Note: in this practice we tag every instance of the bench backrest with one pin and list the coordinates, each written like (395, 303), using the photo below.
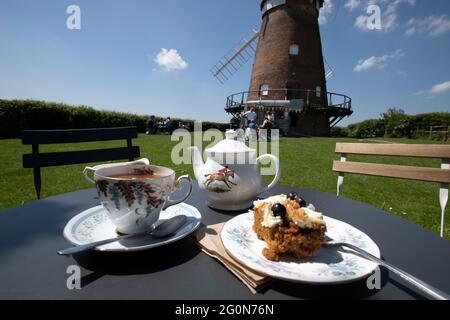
(439, 175)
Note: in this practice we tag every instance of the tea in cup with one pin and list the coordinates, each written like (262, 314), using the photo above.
(134, 195)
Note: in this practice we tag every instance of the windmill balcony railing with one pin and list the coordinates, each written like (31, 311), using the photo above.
(284, 97)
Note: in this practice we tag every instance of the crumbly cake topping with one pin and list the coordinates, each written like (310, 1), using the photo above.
(306, 217)
(271, 200)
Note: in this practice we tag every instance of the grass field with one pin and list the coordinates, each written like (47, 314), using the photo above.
(306, 163)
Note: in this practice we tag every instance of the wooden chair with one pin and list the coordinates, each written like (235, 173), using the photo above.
(38, 160)
(437, 175)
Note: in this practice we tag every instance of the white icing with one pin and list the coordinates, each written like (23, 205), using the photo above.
(269, 220)
(271, 200)
(312, 219)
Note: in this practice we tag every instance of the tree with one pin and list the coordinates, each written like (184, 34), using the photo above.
(393, 113)
(397, 123)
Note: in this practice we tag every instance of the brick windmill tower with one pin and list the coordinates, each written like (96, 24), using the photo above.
(289, 72)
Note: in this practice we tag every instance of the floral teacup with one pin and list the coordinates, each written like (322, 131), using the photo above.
(134, 195)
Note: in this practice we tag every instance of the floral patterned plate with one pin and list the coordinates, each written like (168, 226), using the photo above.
(94, 224)
(328, 266)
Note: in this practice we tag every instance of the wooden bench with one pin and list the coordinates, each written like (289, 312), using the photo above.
(38, 160)
(437, 175)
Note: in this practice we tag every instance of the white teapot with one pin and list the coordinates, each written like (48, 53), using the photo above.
(230, 177)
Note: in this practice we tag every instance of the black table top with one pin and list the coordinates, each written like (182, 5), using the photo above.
(30, 268)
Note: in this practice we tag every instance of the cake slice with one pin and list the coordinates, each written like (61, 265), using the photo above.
(288, 226)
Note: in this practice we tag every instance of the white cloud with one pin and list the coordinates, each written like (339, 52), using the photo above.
(431, 25)
(436, 89)
(420, 92)
(389, 13)
(440, 88)
(170, 60)
(361, 22)
(352, 4)
(326, 11)
(377, 62)
(389, 20)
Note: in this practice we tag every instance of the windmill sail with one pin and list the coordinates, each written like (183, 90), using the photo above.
(328, 70)
(235, 58)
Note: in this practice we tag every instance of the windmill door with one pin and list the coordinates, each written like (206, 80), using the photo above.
(293, 91)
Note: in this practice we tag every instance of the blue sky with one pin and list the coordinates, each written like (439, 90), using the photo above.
(110, 63)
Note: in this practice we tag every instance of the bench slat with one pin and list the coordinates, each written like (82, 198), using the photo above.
(75, 157)
(402, 150)
(78, 135)
(394, 171)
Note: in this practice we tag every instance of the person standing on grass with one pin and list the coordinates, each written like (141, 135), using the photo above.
(251, 132)
(267, 125)
(250, 116)
(272, 117)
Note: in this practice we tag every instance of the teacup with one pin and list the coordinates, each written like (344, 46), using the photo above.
(134, 195)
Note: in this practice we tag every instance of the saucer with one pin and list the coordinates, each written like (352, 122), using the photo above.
(94, 224)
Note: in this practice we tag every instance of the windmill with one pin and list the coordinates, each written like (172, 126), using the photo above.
(289, 72)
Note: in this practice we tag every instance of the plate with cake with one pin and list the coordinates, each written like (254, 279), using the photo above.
(283, 237)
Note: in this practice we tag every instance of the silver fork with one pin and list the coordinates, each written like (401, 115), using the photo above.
(419, 284)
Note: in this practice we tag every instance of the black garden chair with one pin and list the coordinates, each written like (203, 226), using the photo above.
(38, 160)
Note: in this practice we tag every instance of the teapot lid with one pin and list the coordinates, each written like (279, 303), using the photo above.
(229, 145)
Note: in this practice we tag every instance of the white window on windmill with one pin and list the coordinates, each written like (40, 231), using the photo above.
(264, 90)
(294, 50)
(318, 91)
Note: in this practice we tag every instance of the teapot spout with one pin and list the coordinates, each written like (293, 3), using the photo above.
(197, 161)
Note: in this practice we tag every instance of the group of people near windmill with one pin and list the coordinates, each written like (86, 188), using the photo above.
(250, 125)
(155, 125)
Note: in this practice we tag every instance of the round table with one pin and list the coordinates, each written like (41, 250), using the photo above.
(32, 233)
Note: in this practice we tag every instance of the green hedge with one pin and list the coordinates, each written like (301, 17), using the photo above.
(18, 115)
(396, 124)
(367, 129)
(341, 132)
(426, 120)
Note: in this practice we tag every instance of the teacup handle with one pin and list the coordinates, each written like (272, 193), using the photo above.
(169, 202)
(86, 176)
(277, 168)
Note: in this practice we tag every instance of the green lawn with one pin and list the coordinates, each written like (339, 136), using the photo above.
(306, 163)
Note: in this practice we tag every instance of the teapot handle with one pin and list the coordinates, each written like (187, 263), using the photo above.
(277, 168)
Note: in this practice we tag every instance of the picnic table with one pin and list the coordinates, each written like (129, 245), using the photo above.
(32, 233)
